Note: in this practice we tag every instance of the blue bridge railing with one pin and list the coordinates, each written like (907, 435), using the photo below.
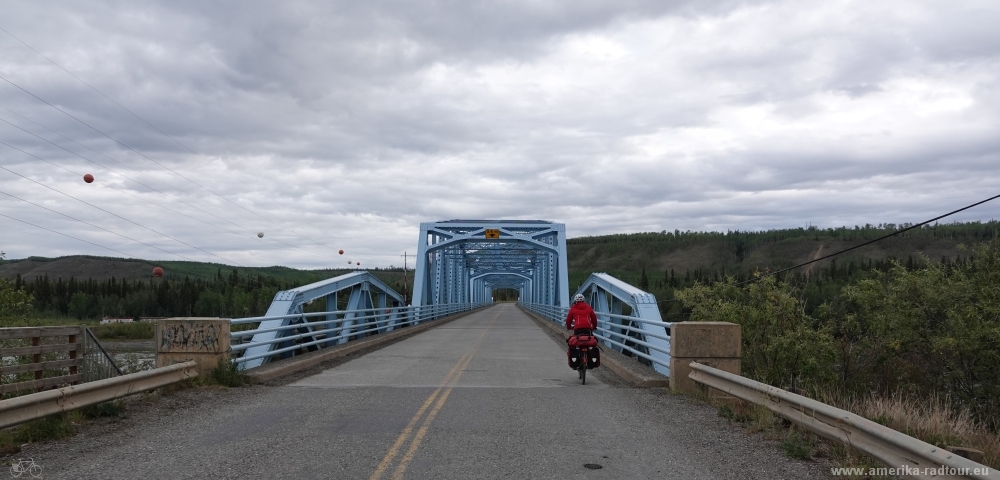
(311, 331)
(642, 334)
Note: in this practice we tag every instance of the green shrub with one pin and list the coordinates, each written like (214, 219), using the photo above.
(782, 346)
(227, 373)
(14, 304)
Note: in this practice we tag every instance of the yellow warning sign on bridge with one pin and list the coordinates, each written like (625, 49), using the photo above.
(492, 233)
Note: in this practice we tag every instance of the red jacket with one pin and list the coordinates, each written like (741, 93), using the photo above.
(581, 316)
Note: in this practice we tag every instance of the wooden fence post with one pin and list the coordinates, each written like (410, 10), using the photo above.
(37, 358)
(72, 353)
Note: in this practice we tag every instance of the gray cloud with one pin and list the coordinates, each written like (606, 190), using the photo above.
(349, 123)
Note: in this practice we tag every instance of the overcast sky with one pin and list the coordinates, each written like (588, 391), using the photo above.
(330, 125)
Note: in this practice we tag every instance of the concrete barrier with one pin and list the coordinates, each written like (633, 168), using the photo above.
(716, 344)
(202, 340)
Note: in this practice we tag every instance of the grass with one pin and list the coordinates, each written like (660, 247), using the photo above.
(798, 445)
(932, 420)
(124, 331)
(108, 331)
(7, 322)
(54, 427)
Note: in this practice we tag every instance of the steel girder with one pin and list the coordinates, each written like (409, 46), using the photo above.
(607, 295)
(366, 293)
(453, 258)
(483, 284)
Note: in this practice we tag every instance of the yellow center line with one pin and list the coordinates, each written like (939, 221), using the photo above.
(450, 380)
(410, 452)
(405, 434)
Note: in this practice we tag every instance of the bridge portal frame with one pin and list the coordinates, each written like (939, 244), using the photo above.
(454, 255)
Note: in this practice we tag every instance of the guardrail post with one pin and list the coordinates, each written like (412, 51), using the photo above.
(716, 344)
(180, 339)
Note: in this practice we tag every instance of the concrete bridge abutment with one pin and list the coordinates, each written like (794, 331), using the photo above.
(180, 339)
(716, 344)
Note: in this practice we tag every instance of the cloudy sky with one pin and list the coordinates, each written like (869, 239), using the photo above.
(330, 125)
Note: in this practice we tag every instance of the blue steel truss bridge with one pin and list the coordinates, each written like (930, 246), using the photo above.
(457, 386)
(459, 265)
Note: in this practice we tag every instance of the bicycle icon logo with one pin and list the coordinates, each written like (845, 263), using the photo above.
(20, 467)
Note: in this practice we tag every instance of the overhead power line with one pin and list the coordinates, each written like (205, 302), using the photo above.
(70, 236)
(185, 272)
(95, 226)
(138, 182)
(883, 237)
(158, 130)
(103, 210)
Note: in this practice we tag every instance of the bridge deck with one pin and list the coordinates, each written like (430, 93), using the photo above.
(485, 396)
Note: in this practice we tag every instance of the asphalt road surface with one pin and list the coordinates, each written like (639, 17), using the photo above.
(485, 396)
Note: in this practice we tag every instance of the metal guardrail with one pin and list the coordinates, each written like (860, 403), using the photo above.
(321, 329)
(896, 450)
(29, 407)
(621, 339)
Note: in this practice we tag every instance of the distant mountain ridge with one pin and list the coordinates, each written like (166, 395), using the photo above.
(624, 255)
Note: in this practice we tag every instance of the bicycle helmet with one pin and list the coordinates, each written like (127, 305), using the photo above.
(579, 298)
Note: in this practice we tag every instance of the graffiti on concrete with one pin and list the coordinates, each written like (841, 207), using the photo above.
(189, 337)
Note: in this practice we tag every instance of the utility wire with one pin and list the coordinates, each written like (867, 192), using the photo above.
(143, 120)
(96, 226)
(138, 182)
(883, 237)
(122, 144)
(190, 273)
(103, 210)
(70, 236)
(140, 153)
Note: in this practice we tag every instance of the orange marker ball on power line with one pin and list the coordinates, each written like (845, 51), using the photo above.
(157, 272)
(88, 178)
(341, 252)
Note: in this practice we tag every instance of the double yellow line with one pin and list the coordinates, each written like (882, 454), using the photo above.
(441, 395)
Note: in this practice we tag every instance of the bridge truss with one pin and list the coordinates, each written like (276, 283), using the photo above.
(460, 261)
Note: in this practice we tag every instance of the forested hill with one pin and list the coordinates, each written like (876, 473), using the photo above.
(90, 288)
(715, 254)
(661, 263)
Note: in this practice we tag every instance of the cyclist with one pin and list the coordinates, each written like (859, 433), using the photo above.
(581, 318)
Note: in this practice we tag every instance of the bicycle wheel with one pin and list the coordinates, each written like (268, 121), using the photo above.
(583, 375)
